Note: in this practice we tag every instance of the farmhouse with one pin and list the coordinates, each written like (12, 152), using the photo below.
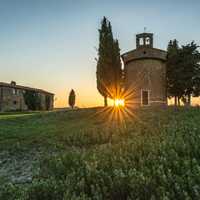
(12, 97)
(145, 73)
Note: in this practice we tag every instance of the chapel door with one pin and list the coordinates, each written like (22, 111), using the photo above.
(145, 97)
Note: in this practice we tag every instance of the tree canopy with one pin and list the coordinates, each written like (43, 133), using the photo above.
(32, 100)
(183, 71)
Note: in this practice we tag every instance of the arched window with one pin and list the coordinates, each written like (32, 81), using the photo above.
(147, 41)
(141, 41)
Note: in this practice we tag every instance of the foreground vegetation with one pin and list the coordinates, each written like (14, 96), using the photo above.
(87, 154)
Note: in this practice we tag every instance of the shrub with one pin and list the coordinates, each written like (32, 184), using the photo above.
(32, 100)
(158, 160)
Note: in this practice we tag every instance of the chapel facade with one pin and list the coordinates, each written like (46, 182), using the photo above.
(145, 73)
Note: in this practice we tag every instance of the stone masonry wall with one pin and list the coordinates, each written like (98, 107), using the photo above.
(12, 99)
(146, 74)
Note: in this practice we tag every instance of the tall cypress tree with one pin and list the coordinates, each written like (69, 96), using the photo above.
(109, 64)
(117, 70)
(101, 68)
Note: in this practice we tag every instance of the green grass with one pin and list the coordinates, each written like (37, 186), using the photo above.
(85, 154)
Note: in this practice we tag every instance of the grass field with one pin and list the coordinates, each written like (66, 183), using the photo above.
(90, 154)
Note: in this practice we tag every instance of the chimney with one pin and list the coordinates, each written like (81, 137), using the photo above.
(13, 83)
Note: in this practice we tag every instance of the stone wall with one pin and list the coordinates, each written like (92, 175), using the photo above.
(43, 101)
(144, 53)
(43, 97)
(12, 99)
(145, 74)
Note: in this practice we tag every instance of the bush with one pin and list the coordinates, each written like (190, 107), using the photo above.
(32, 100)
(11, 192)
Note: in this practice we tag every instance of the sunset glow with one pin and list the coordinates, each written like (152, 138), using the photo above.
(44, 50)
(119, 102)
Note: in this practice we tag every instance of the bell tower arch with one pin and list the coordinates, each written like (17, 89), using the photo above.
(144, 40)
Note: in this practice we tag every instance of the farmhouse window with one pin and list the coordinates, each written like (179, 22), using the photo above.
(14, 91)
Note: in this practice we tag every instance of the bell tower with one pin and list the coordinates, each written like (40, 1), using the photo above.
(144, 40)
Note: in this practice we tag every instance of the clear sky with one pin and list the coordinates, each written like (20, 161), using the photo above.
(50, 44)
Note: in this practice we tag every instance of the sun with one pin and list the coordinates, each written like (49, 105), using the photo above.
(119, 103)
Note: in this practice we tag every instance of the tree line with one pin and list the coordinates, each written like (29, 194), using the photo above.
(182, 71)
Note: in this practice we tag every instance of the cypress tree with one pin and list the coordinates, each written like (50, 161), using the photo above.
(108, 64)
(72, 99)
(117, 71)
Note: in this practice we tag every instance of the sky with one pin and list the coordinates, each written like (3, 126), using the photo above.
(51, 44)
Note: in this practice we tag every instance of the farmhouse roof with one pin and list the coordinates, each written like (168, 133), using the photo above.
(13, 85)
